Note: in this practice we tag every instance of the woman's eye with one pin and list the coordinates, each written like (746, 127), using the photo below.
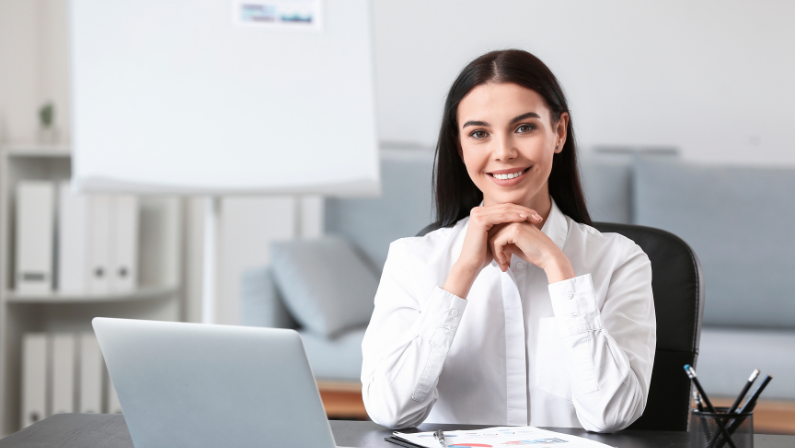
(525, 128)
(478, 134)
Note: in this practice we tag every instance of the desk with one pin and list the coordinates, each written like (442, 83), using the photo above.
(110, 431)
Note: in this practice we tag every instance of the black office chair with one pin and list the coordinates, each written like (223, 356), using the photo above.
(678, 287)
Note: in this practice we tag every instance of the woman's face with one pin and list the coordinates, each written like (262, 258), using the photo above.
(507, 140)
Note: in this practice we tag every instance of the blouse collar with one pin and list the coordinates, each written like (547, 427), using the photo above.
(556, 226)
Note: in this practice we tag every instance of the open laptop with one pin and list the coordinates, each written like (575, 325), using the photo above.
(194, 385)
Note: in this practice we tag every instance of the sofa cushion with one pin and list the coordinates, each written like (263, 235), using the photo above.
(325, 284)
(335, 359)
(260, 303)
(739, 221)
(728, 356)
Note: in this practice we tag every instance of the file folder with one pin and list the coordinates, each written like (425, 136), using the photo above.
(35, 228)
(91, 371)
(63, 373)
(34, 378)
(72, 241)
(114, 406)
(124, 244)
(99, 244)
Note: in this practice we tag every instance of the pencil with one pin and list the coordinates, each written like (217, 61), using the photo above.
(747, 407)
(691, 373)
(736, 403)
(697, 399)
(747, 386)
(751, 403)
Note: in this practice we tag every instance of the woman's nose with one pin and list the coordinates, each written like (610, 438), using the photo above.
(504, 149)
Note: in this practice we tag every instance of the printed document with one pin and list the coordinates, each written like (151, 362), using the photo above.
(502, 437)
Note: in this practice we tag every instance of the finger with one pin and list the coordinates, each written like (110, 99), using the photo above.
(532, 214)
(508, 251)
(498, 249)
(488, 219)
(528, 213)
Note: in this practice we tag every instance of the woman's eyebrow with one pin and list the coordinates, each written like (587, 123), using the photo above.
(475, 123)
(519, 118)
(523, 116)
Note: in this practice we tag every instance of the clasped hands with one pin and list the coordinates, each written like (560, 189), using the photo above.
(496, 233)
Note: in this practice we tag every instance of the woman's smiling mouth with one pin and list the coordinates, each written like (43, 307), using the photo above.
(509, 177)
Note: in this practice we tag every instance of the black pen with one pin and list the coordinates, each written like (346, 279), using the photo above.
(439, 436)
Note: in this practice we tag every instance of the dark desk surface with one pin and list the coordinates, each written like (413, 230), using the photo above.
(110, 431)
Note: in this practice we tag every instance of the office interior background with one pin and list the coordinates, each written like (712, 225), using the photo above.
(705, 83)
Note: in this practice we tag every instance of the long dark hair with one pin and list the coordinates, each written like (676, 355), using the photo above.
(455, 192)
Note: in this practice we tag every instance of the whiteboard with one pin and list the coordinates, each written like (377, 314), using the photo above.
(181, 97)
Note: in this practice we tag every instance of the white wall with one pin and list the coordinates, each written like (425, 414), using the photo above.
(712, 77)
(33, 67)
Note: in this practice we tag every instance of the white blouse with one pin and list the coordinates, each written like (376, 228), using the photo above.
(518, 351)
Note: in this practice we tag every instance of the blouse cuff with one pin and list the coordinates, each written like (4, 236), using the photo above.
(442, 310)
(438, 324)
(575, 306)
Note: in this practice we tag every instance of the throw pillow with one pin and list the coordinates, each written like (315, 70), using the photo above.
(324, 283)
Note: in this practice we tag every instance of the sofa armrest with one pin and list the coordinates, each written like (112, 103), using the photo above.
(260, 302)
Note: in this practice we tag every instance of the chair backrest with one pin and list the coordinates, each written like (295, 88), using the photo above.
(678, 287)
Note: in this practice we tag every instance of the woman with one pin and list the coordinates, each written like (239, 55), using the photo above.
(515, 311)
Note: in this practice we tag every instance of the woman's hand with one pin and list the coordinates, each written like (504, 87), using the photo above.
(476, 254)
(529, 243)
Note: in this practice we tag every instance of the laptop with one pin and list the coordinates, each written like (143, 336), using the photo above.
(195, 385)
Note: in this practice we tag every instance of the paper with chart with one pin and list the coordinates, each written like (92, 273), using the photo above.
(501, 437)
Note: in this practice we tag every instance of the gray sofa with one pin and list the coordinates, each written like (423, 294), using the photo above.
(738, 220)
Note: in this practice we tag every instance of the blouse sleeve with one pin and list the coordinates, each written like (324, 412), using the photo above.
(609, 349)
(406, 344)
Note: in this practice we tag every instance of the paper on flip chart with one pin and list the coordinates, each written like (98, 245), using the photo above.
(501, 437)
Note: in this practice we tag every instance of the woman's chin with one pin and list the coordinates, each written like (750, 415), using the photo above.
(518, 197)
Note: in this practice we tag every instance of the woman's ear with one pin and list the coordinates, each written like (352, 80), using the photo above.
(560, 128)
(460, 150)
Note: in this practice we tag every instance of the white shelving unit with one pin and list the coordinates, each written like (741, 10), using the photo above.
(159, 295)
(151, 292)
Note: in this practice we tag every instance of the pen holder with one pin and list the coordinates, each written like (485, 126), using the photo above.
(705, 429)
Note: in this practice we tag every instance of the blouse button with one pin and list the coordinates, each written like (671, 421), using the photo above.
(520, 265)
(454, 312)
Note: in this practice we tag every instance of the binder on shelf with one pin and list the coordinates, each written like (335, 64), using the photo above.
(98, 244)
(34, 237)
(63, 373)
(91, 370)
(72, 241)
(34, 378)
(124, 244)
